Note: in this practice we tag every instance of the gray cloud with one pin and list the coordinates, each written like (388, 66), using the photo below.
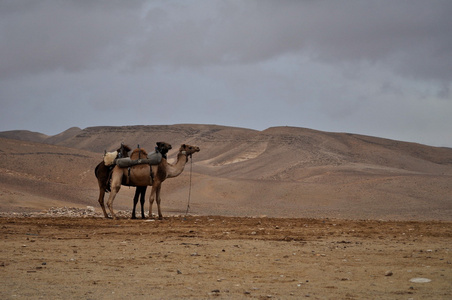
(411, 38)
(374, 67)
(44, 36)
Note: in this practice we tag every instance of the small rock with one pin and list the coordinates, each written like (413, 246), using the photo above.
(179, 272)
(215, 291)
(420, 280)
(389, 273)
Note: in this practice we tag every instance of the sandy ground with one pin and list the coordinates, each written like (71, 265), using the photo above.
(202, 257)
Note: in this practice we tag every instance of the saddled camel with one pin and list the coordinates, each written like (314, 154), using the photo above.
(143, 175)
(140, 191)
(103, 172)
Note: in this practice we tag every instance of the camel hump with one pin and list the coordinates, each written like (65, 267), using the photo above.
(138, 153)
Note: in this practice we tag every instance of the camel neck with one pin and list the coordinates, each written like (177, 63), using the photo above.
(178, 167)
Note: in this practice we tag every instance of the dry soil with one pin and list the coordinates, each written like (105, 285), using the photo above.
(206, 257)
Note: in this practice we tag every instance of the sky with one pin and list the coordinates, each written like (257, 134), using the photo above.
(381, 68)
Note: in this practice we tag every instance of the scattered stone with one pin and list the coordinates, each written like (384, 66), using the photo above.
(215, 291)
(420, 280)
(74, 212)
(345, 279)
(389, 273)
(179, 272)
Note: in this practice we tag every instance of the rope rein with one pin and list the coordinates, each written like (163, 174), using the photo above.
(189, 186)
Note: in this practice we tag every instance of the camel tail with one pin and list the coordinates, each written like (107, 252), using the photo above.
(95, 170)
(108, 185)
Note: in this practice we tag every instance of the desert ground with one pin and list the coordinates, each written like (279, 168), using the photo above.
(284, 213)
(215, 257)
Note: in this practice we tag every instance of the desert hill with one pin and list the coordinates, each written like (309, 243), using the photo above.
(281, 171)
(24, 135)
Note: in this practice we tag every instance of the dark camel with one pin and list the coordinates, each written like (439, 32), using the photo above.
(103, 175)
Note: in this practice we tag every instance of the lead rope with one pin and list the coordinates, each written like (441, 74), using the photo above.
(189, 186)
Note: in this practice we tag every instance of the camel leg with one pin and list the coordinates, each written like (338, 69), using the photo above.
(114, 191)
(142, 201)
(115, 186)
(101, 172)
(151, 201)
(101, 201)
(158, 199)
(135, 201)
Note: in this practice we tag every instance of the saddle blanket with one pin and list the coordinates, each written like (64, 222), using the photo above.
(153, 158)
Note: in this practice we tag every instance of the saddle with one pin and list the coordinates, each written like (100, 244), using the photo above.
(153, 158)
(112, 159)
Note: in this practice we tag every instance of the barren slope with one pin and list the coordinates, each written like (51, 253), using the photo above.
(281, 171)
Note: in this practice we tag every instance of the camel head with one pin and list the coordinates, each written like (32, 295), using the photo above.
(163, 148)
(188, 150)
(124, 150)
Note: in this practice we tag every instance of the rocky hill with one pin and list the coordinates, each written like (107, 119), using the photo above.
(281, 171)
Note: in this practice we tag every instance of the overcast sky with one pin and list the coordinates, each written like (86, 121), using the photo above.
(380, 68)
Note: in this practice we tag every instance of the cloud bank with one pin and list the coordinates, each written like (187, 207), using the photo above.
(381, 68)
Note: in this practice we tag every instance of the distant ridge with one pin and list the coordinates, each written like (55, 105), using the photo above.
(61, 137)
(24, 135)
(271, 152)
(280, 171)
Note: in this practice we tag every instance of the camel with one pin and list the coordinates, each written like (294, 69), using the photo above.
(140, 191)
(103, 175)
(103, 172)
(143, 175)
